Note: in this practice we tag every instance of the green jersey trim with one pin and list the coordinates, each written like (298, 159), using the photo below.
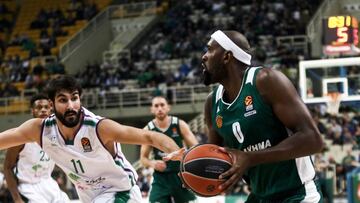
(122, 197)
(132, 179)
(89, 123)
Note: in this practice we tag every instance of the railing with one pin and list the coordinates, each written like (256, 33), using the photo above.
(133, 9)
(11, 105)
(111, 12)
(142, 97)
(76, 40)
(99, 99)
(298, 42)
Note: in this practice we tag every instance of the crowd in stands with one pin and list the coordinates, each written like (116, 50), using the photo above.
(181, 35)
(51, 23)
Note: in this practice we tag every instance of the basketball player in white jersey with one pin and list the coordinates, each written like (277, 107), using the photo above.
(85, 146)
(27, 167)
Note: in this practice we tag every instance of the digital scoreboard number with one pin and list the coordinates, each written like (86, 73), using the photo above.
(340, 34)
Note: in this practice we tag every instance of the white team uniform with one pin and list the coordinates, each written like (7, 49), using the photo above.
(96, 174)
(33, 171)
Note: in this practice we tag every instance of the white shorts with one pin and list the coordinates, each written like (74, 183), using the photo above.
(45, 191)
(134, 196)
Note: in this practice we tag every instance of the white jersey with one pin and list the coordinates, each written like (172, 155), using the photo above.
(33, 164)
(85, 160)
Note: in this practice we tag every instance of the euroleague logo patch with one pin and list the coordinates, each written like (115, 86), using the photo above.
(85, 142)
(249, 107)
(248, 100)
(219, 121)
(174, 132)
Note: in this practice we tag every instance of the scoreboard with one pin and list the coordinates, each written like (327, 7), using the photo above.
(340, 35)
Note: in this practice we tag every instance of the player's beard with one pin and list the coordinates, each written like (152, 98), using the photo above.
(206, 77)
(68, 122)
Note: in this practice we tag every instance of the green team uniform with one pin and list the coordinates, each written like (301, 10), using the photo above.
(167, 186)
(249, 124)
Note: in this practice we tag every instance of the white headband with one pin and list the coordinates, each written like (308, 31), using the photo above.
(229, 45)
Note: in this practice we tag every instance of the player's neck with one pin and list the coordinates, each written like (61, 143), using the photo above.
(232, 86)
(68, 133)
(162, 124)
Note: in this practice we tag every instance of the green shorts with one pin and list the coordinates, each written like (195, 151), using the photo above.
(167, 188)
(310, 193)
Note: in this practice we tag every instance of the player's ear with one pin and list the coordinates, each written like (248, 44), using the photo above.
(227, 56)
(51, 105)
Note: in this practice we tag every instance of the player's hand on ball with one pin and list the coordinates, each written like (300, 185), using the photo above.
(240, 164)
(175, 155)
(159, 165)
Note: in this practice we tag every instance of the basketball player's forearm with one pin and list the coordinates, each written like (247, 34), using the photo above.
(295, 146)
(168, 146)
(11, 138)
(12, 185)
(164, 143)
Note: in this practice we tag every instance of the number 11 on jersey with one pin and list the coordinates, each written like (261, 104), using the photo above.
(77, 163)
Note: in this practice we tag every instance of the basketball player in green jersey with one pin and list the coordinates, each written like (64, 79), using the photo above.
(257, 115)
(167, 186)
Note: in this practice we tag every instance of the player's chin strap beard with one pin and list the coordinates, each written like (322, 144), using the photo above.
(226, 43)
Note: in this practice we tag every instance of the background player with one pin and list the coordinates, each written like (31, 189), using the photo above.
(167, 186)
(86, 146)
(32, 180)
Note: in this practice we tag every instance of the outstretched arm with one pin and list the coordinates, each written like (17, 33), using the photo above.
(29, 131)
(9, 164)
(111, 131)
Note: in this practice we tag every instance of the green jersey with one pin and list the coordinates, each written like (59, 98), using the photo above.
(249, 124)
(173, 131)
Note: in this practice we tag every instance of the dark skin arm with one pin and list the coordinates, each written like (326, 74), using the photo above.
(278, 92)
(9, 164)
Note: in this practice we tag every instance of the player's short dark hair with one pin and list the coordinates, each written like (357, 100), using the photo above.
(161, 96)
(36, 97)
(62, 83)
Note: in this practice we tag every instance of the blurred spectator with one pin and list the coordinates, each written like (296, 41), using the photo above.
(3, 8)
(321, 126)
(144, 181)
(9, 90)
(349, 162)
(335, 131)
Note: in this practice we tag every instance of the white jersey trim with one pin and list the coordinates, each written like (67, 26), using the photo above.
(251, 74)
(305, 169)
(312, 194)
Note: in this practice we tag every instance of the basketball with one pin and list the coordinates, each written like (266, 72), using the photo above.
(200, 169)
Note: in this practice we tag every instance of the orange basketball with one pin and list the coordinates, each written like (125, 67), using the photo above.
(201, 167)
